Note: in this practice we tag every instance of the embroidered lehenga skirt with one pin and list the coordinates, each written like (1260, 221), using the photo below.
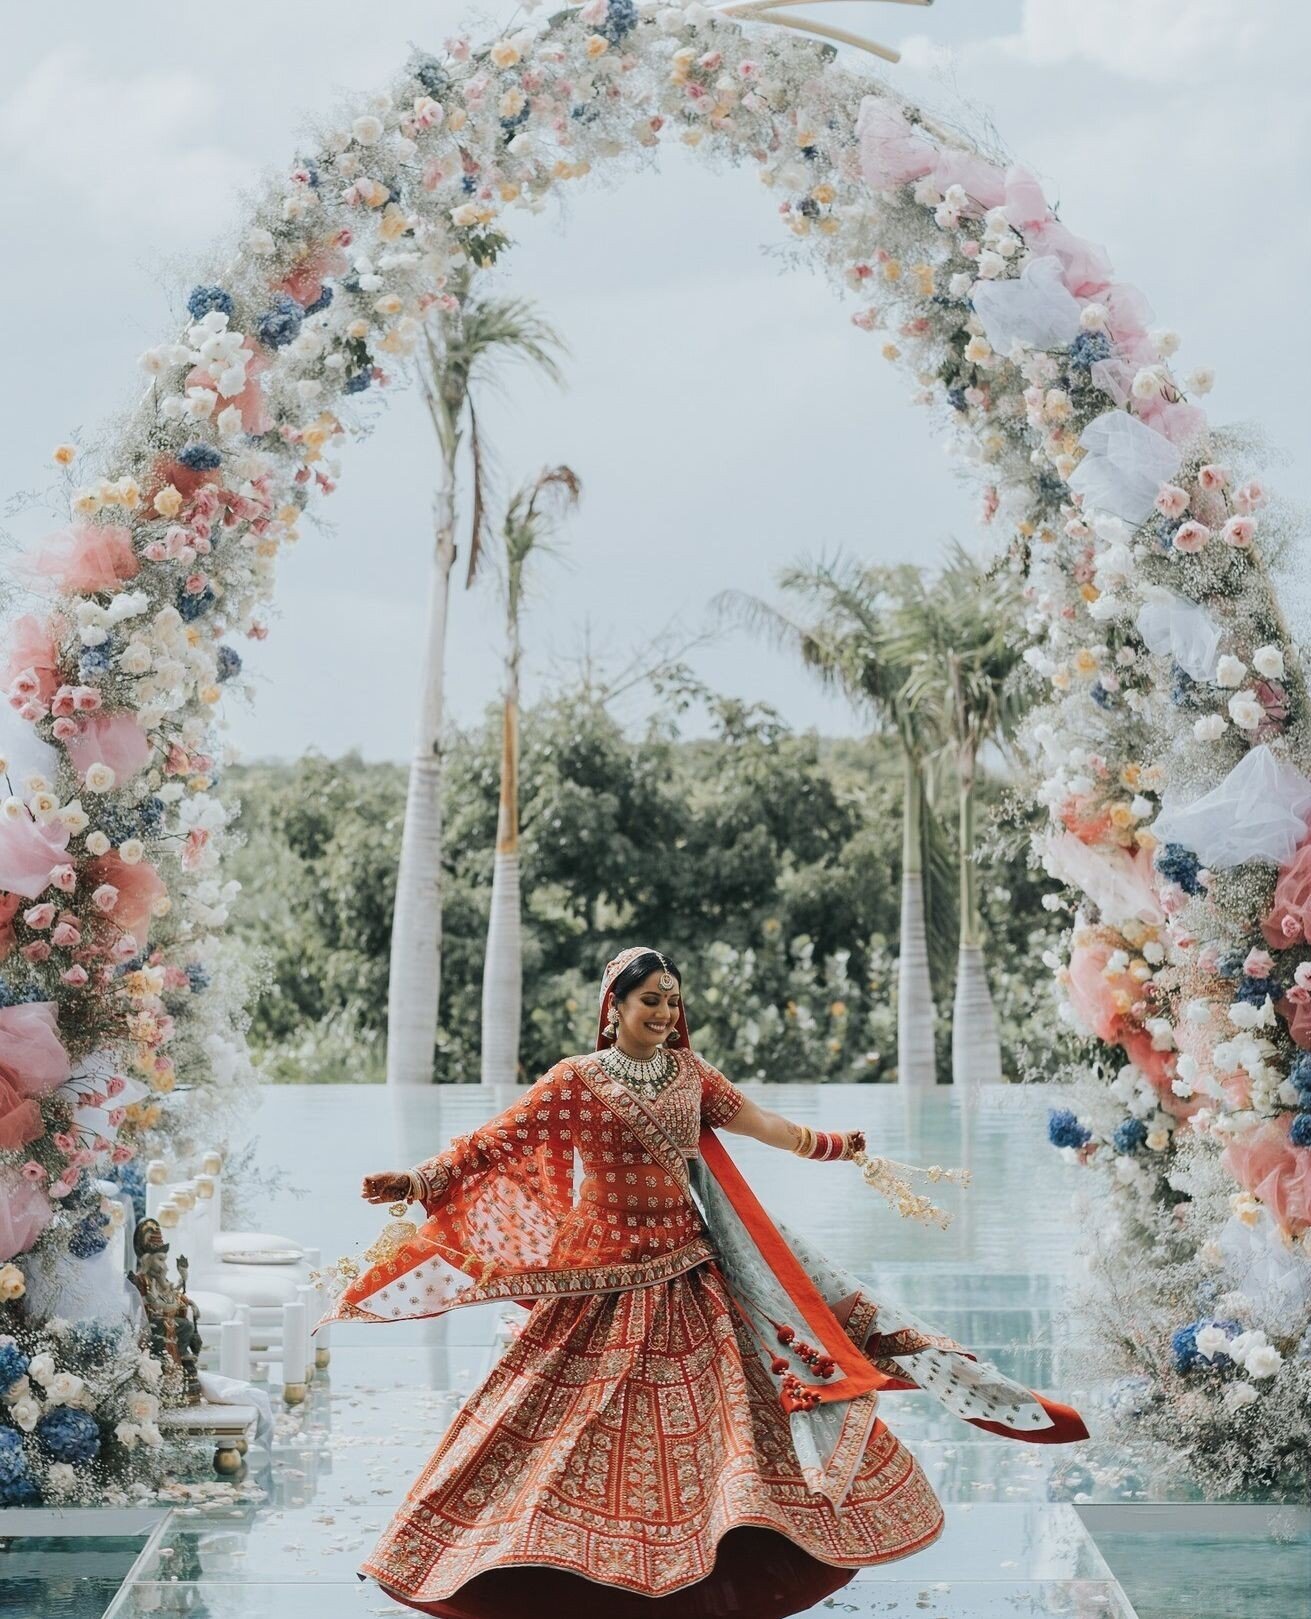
(628, 1455)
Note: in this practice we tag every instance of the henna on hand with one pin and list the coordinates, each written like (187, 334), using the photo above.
(388, 1187)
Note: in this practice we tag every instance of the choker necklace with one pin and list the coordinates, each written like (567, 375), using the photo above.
(646, 1078)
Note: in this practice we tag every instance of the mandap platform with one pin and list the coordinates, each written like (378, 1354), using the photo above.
(1032, 1531)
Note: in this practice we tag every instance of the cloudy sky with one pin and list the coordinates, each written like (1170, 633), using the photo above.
(723, 415)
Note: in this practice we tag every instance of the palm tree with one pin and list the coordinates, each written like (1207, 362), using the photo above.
(530, 520)
(959, 634)
(465, 340)
(847, 645)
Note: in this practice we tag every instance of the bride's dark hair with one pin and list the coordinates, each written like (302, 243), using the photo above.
(640, 967)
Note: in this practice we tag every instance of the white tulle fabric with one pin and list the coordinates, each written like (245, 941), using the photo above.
(1117, 884)
(1175, 627)
(1275, 1278)
(1258, 812)
(1125, 465)
(1036, 307)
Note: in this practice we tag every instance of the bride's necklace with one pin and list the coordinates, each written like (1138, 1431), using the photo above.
(646, 1078)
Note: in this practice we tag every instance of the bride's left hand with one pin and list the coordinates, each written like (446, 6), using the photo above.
(855, 1142)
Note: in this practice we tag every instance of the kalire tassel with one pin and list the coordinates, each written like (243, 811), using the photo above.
(882, 1174)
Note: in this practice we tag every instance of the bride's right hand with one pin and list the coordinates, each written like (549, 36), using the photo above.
(389, 1187)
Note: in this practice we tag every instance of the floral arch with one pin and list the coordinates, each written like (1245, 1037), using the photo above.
(1169, 680)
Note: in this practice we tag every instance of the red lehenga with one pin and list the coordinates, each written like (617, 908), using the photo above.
(658, 1440)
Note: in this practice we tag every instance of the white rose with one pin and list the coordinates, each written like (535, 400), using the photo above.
(130, 852)
(97, 844)
(150, 1435)
(1229, 671)
(261, 242)
(991, 264)
(26, 1412)
(41, 1368)
(1245, 711)
(1264, 1361)
(1211, 1340)
(1237, 1395)
(1200, 381)
(1147, 382)
(1164, 340)
(99, 778)
(44, 807)
(150, 1371)
(135, 658)
(64, 1388)
(1093, 317)
(74, 817)
(60, 1477)
(1210, 728)
(127, 1433)
(367, 130)
(1158, 1140)
(1269, 661)
(142, 1407)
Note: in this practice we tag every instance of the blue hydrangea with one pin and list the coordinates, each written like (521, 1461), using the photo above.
(432, 76)
(10, 995)
(1183, 1345)
(150, 812)
(468, 184)
(1087, 349)
(321, 302)
(193, 604)
(620, 19)
(197, 977)
(133, 1181)
(1255, 990)
(229, 662)
(1300, 1075)
(357, 382)
(13, 1365)
(1179, 865)
(93, 662)
(69, 1435)
(280, 322)
(90, 1236)
(585, 112)
(1064, 1129)
(1184, 692)
(1129, 1135)
(1300, 1132)
(17, 1486)
(956, 398)
(200, 457)
(202, 299)
(1230, 964)
(1100, 695)
(118, 822)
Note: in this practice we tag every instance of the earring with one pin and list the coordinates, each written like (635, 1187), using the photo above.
(671, 1037)
(612, 1023)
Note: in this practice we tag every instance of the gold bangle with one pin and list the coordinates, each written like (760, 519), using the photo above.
(806, 1145)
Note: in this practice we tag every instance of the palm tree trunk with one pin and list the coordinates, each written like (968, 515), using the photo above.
(503, 966)
(975, 1044)
(414, 979)
(915, 1011)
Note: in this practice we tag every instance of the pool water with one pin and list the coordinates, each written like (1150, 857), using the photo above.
(1032, 1530)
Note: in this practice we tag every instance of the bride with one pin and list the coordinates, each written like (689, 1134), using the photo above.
(687, 1424)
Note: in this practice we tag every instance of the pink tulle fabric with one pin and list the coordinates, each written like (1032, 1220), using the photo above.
(85, 558)
(9, 904)
(250, 402)
(112, 739)
(890, 151)
(138, 888)
(304, 282)
(33, 1062)
(1297, 1014)
(1288, 921)
(25, 1212)
(32, 645)
(28, 853)
(1091, 990)
(1266, 1164)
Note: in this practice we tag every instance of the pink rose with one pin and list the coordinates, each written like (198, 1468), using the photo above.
(1249, 497)
(66, 936)
(64, 1143)
(1212, 477)
(1290, 927)
(38, 950)
(62, 702)
(122, 1154)
(31, 712)
(1239, 532)
(156, 551)
(34, 1172)
(1259, 964)
(970, 249)
(1302, 975)
(1299, 995)
(105, 897)
(64, 878)
(116, 1115)
(63, 728)
(26, 683)
(74, 977)
(40, 916)
(1172, 501)
(123, 949)
(85, 699)
(1191, 536)
(115, 1085)
(194, 584)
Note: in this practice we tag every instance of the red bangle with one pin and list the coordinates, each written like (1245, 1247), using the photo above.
(829, 1144)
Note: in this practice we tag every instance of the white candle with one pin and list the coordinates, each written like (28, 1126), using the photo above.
(295, 1342)
(232, 1357)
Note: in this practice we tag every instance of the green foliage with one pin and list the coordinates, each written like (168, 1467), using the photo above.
(766, 862)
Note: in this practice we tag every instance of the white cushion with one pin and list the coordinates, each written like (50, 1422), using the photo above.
(214, 1307)
(226, 1242)
(256, 1284)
